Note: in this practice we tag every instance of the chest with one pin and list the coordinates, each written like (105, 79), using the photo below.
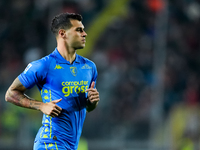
(69, 79)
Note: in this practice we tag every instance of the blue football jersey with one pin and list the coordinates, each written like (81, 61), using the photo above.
(56, 78)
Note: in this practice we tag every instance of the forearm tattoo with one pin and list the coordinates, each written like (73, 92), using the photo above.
(15, 95)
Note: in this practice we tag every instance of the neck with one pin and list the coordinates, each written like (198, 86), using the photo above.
(66, 52)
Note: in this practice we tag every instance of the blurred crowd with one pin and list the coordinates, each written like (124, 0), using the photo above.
(124, 58)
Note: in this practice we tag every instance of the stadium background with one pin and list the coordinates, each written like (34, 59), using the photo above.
(147, 54)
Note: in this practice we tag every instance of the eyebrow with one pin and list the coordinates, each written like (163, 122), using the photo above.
(80, 28)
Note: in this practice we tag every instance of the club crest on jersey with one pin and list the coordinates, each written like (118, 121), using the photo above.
(73, 70)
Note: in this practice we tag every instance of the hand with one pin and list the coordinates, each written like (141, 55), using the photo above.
(93, 94)
(51, 108)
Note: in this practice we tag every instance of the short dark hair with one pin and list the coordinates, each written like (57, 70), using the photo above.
(62, 21)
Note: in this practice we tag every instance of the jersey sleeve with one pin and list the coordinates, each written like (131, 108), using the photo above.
(34, 73)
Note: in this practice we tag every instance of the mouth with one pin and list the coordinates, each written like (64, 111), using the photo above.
(83, 40)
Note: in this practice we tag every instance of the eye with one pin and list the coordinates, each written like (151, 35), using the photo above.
(79, 30)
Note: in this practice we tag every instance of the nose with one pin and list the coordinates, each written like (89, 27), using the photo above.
(84, 34)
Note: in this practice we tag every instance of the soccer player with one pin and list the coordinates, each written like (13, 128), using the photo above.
(66, 82)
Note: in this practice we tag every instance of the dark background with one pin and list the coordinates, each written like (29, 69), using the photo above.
(147, 54)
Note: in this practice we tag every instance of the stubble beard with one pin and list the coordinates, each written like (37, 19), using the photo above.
(79, 47)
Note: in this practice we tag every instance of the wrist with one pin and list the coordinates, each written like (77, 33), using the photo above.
(88, 102)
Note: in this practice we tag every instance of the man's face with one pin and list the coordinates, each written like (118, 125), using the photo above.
(76, 35)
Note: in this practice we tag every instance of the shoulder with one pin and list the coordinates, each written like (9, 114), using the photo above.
(40, 64)
(87, 61)
(88, 64)
(44, 61)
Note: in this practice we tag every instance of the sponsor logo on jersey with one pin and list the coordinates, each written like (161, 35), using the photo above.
(27, 68)
(71, 87)
(58, 67)
(86, 66)
(73, 70)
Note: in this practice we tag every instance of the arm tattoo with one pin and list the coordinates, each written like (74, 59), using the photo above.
(15, 95)
(35, 104)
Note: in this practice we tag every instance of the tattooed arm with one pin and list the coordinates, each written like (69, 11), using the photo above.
(15, 94)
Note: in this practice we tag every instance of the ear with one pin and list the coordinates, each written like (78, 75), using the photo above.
(62, 33)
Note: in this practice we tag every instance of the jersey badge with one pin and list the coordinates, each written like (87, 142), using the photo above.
(86, 66)
(58, 67)
(27, 68)
(73, 71)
